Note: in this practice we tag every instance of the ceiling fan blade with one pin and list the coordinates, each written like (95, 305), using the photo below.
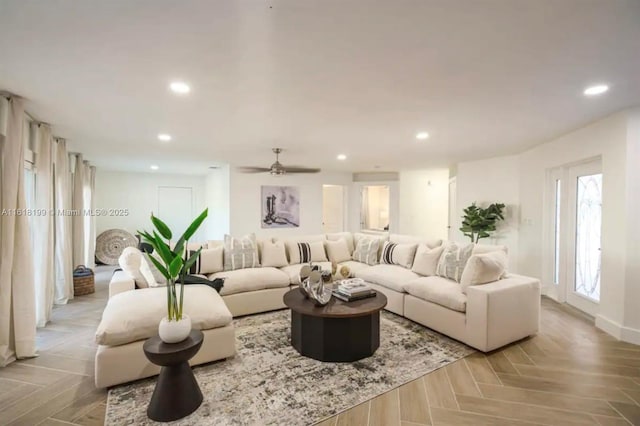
(253, 169)
(295, 169)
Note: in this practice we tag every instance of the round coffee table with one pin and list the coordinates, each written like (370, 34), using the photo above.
(338, 332)
(177, 393)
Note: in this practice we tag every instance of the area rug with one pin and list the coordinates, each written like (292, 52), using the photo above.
(269, 383)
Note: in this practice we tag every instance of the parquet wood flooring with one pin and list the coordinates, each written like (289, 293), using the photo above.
(569, 374)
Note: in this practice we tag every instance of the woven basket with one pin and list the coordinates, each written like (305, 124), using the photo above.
(83, 281)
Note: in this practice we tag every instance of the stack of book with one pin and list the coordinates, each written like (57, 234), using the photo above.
(354, 289)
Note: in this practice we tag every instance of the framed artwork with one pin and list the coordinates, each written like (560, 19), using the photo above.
(280, 207)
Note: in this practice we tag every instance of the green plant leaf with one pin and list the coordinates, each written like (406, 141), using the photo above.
(162, 227)
(161, 267)
(192, 259)
(190, 231)
(163, 249)
(175, 266)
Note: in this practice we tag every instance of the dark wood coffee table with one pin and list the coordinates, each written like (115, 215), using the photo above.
(338, 332)
(177, 393)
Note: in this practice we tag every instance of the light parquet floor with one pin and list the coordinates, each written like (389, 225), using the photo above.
(569, 374)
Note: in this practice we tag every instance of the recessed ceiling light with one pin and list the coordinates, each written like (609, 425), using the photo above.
(422, 135)
(342, 157)
(598, 89)
(180, 87)
(154, 167)
(164, 137)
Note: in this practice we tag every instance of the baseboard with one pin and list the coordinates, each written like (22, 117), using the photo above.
(626, 334)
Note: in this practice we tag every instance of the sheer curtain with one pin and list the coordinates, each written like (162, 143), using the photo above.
(78, 220)
(90, 220)
(17, 295)
(43, 245)
(63, 225)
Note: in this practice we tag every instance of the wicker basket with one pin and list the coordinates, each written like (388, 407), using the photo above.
(83, 281)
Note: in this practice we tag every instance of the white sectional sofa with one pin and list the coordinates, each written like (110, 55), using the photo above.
(485, 316)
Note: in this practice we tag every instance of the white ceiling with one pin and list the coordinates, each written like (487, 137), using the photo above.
(318, 78)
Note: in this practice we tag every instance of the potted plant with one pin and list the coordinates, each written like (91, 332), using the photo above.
(173, 263)
(477, 222)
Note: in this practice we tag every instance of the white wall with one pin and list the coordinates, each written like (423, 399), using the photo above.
(219, 203)
(424, 203)
(491, 181)
(246, 214)
(138, 192)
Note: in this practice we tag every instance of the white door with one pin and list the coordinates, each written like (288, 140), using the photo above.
(584, 192)
(332, 208)
(453, 214)
(175, 208)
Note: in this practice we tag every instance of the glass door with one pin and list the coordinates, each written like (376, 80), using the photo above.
(585, 220)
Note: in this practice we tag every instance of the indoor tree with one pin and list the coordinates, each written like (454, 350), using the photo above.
(479, 222)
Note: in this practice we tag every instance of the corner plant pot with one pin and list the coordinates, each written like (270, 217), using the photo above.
(174, 331)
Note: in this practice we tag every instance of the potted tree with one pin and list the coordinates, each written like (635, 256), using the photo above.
(479, 222)
(172, 264)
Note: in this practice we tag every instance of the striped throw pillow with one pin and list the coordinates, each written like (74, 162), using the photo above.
(453, 260)
(398, 254)
(367, 251)
(240, 253)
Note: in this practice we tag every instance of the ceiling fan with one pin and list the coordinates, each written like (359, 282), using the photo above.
(277, 169)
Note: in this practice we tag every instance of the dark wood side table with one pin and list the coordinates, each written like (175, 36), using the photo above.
(338, 332)
(177, 393)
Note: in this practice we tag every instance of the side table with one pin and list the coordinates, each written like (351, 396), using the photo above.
(177, 393)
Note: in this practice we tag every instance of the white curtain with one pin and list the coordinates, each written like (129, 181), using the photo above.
(42, 221)
(77, 219)
(63, 225)
(17, 295)
(89, 178)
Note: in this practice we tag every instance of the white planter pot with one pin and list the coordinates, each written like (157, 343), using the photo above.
(174, 331)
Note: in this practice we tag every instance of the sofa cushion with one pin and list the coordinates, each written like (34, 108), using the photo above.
(348, 236)
(412, 239)
(209, 261)
(426, 260)
(273, 253)
(390, 276)
(367, 251)
(353, 266)
(240, 253)
(438, 290)
(398, 254)
(453, 260)
(135, 315)
(130, 261)
(293, 271)
(251, 279)
(484, 268)
(338, 250)
(305, 252)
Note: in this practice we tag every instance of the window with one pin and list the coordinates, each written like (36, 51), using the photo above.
(375, 208)
(556, 260)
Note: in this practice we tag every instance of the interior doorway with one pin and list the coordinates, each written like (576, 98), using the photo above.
(333, 208)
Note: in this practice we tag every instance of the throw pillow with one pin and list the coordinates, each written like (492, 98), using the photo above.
(347, 236)
(240, 253)
(426, 260)
(305, 252)
(273, 254)
(338, 250)
(367, 251)
(398, 254)
(130, 261)
(151, 274)
(211, 260)
(453, 260)
(484, 268)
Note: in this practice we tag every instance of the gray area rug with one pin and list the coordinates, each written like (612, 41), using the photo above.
(269, 383)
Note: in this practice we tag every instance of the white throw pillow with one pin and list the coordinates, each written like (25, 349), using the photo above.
(305, 252)
(130, 261)
(398, 254)
(484, 268)
(211, 260)
(453, 260)
(273, 254)
(348, 236)
(426, 260)
(367, 251)
(338, 250)
(240, 253)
